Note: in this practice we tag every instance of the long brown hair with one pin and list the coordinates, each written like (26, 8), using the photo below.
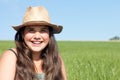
(25, 69)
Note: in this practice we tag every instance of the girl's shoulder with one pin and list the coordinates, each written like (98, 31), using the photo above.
(13, 50)
(7, 65)
(9, 54)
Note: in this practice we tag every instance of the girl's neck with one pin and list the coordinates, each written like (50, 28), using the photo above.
(38, 62)
(36, 56)
(38, 65)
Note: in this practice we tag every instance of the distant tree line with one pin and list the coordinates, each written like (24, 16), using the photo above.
(115, 38)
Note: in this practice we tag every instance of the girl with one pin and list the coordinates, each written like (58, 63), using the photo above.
(36, 55)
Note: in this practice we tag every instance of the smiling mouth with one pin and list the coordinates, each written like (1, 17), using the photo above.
(36, 43)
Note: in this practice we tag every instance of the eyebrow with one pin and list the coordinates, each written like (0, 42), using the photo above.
(28, 27)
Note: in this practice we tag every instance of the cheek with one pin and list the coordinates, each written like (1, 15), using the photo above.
(46, 37)
(27, 37)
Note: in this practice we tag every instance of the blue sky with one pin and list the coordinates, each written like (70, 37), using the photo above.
(81, 19)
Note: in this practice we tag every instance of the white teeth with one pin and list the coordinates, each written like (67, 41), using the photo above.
(36, 42)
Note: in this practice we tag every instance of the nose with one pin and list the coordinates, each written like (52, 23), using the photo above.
(37, 36)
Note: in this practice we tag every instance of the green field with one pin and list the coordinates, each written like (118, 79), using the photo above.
(86, 60)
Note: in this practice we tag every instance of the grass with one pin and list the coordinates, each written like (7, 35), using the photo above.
(86, 60)
(6, 45)
(91, 60)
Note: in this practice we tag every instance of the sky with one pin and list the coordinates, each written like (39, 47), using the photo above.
(81, 19)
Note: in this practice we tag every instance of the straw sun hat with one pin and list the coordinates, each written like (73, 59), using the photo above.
(38, 16)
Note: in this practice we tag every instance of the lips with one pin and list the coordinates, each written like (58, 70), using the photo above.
(36, 43)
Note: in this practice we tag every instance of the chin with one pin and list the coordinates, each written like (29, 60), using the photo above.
(37, 49)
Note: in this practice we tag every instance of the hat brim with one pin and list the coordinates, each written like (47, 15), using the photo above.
(56, 28)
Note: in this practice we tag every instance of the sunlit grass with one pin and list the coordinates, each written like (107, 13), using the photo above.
(6, 45)
(91, 60)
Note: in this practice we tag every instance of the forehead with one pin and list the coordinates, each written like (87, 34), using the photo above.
(36, 27)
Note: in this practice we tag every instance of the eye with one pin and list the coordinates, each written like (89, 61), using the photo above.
(44, 30)
(30, 30)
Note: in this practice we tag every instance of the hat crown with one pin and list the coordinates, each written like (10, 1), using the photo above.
(36, 14)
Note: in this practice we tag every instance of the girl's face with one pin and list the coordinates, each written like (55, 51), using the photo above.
(36, 37)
